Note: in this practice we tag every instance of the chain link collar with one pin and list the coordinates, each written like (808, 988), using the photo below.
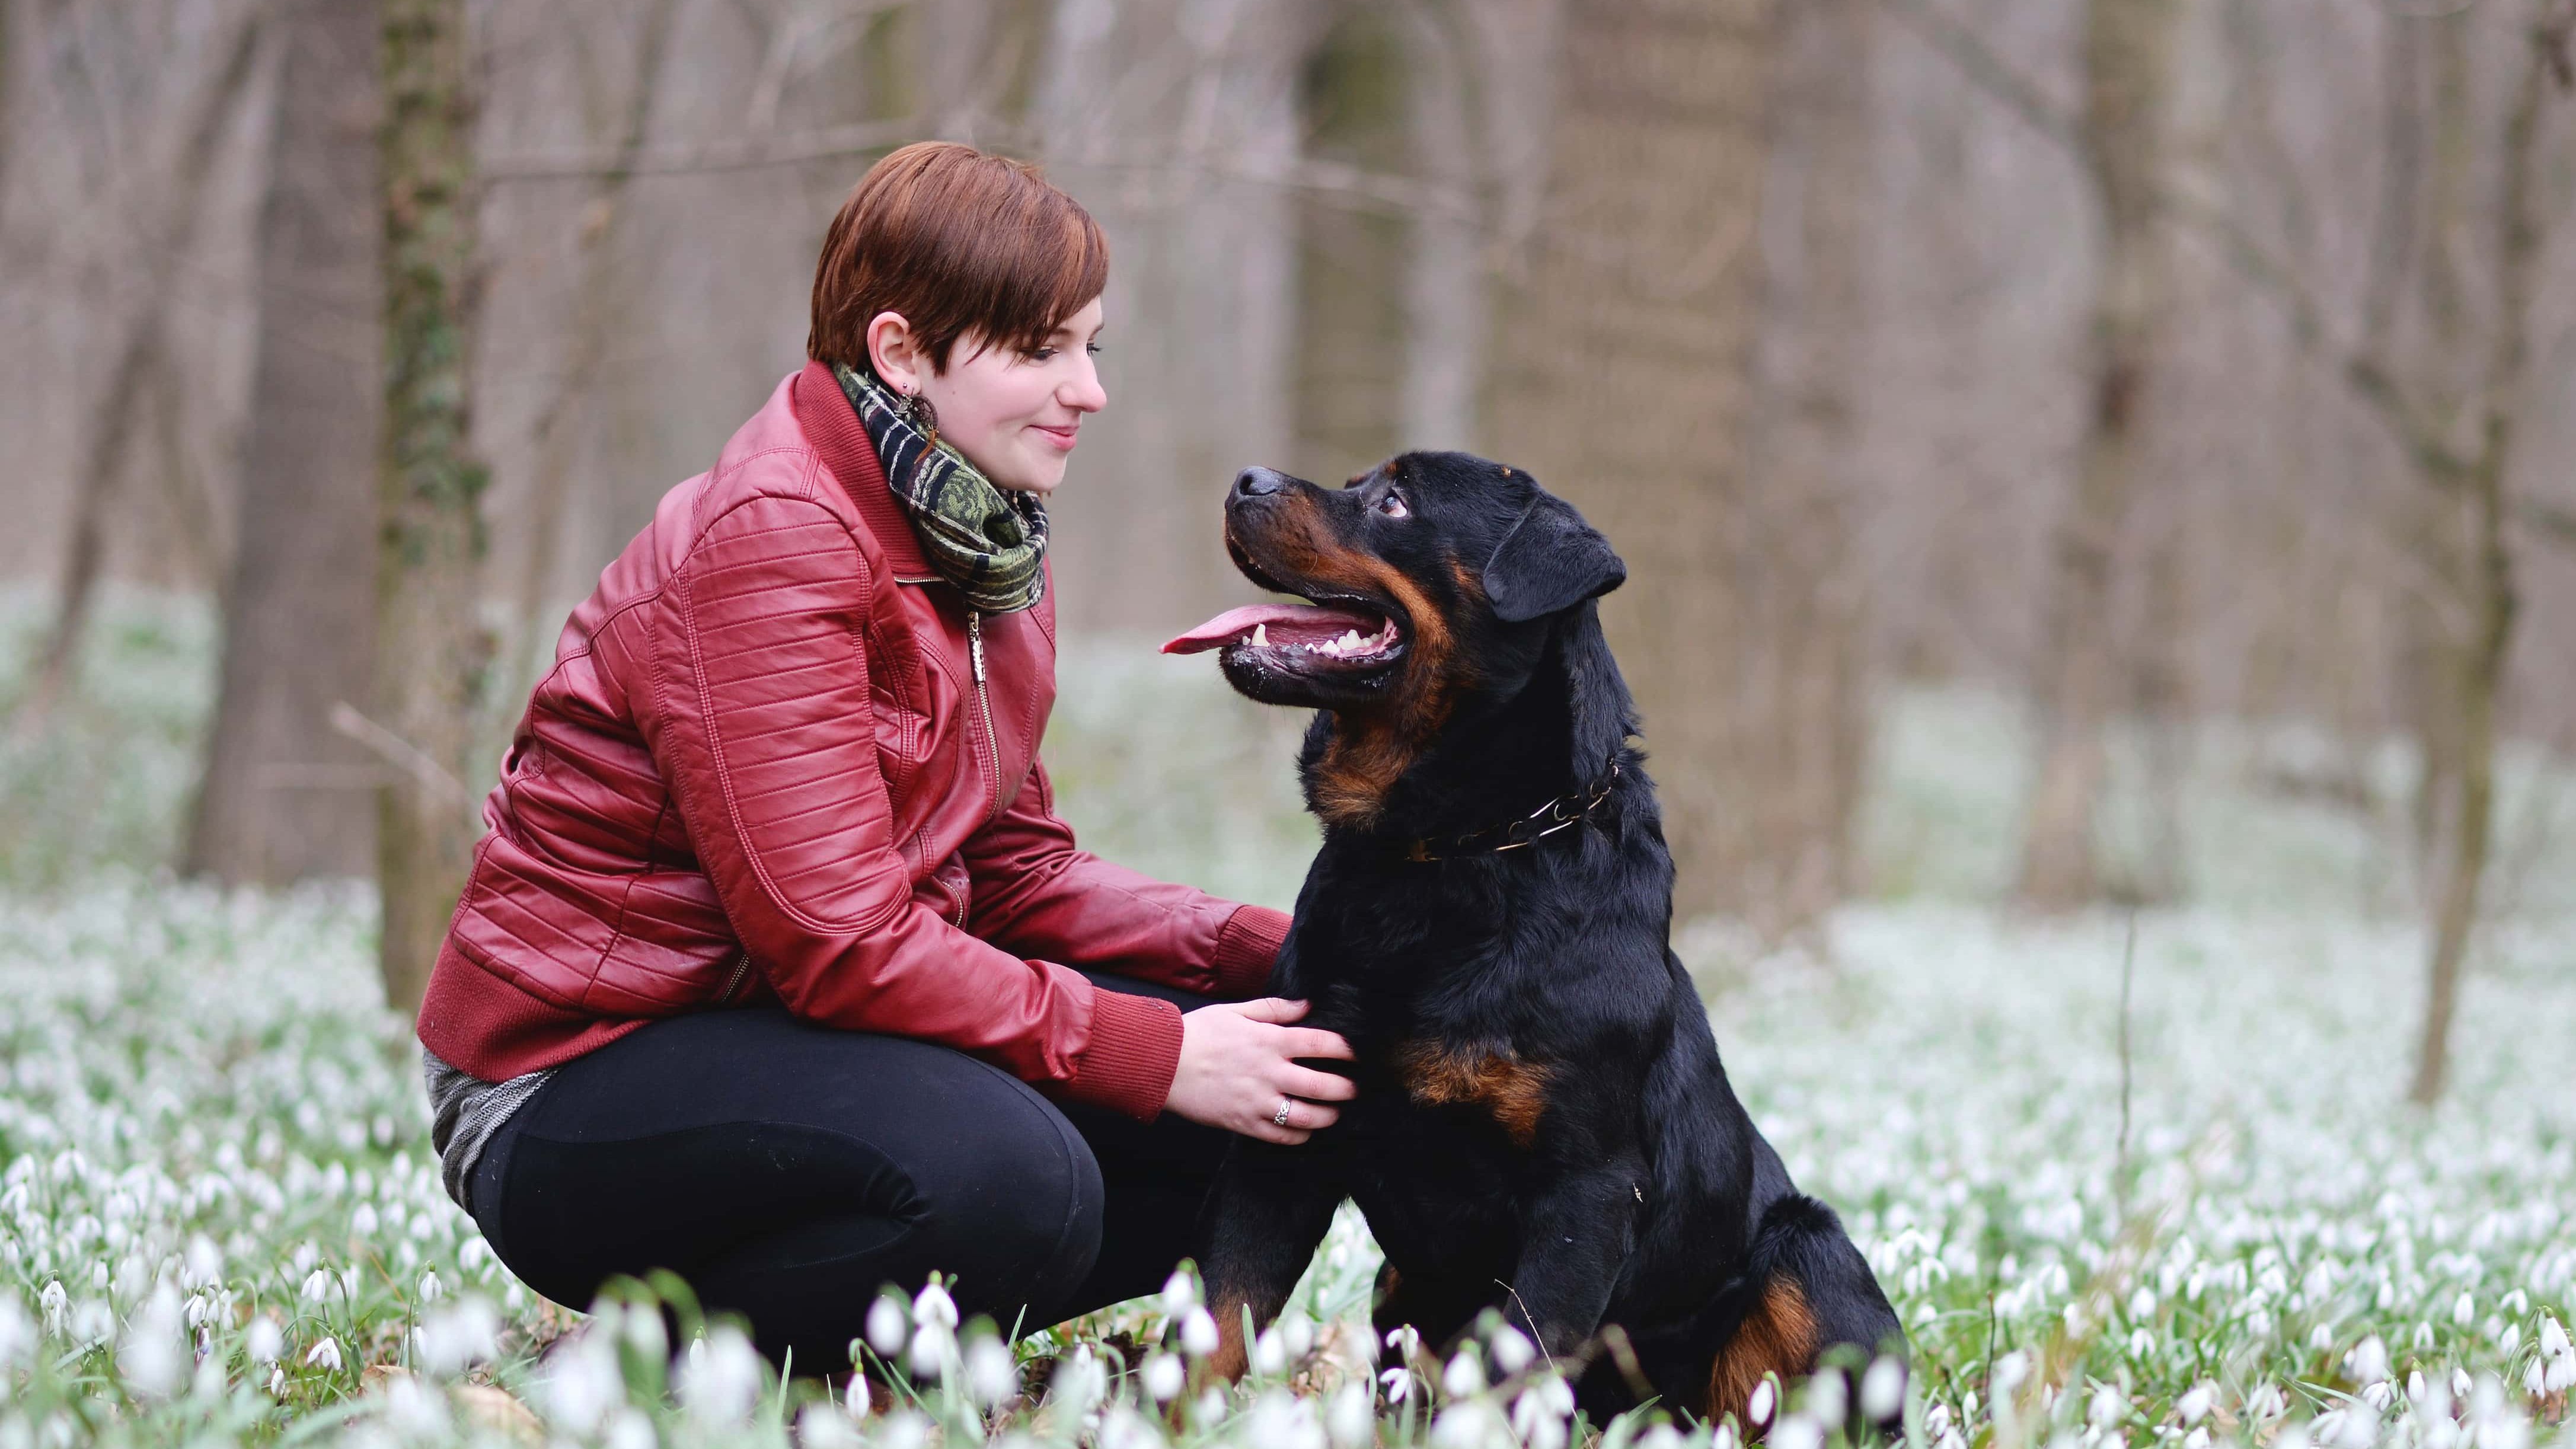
(1562, 813)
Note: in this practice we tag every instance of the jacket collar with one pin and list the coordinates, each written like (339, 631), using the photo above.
(824, 415)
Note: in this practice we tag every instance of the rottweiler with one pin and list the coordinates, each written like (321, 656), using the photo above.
(1543, 1126)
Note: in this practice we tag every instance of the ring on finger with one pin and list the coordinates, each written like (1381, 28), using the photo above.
(1280, 1117)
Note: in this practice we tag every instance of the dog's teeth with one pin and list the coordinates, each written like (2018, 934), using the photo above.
(1260, 636)
(1350, 639)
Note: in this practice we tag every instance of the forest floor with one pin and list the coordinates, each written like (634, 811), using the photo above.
(219, 1219)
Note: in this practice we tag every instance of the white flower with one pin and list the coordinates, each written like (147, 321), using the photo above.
(2562, 1372)
(1296, 1334)
(1180, 1294)
(991, 1377)
(1467, 1424)
(430, 1288)
(933, 1305)
(1464, 1375)
(1757, 1407)
(903, 1429)
(1882, 1390)
(363, 1223)
(719, 1380)
(583, 1383)
(1198, 1333)
(887, 1328)
(1398, 1384)
(1121, 1428)
(1079, 1381)
(155, 1357)
(265, 1340)
(325, 1353)
(317, 1286)
(1281, 1420)
(1796, 1432)
(2368, 1361)
(2464, 1310)
(458, 1335)
(2196, 1402)
(2108, 1407)
(1269, 1352)
(2553, 1337)
(1828, 1398)
(1164, 1376)
(1512, 1350)
(932, 1344)
(1352, 1420)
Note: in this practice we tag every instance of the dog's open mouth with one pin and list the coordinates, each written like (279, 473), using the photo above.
(1299, 638)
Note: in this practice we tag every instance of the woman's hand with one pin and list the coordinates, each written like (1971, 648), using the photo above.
(1237, 1067)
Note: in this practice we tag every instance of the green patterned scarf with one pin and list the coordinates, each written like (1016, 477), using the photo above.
(988, 541)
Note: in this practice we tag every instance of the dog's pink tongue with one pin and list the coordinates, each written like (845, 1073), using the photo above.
(1296, 623)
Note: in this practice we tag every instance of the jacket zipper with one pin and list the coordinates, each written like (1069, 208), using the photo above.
(984, 703)
(741, 969)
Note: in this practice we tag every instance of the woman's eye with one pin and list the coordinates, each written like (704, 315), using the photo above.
(1391, 503)
(1092, 347)
(1043, 354)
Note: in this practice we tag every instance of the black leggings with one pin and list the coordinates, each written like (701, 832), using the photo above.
(788, 1171)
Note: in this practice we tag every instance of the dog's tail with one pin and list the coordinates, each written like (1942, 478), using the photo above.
(1805, 1291)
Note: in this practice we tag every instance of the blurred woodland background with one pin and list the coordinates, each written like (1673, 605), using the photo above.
(2161, 365)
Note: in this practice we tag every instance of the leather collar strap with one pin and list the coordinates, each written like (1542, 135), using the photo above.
(1562, 813)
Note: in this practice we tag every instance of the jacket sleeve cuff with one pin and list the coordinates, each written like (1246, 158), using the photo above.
(1245, 950)
(1135, 1049)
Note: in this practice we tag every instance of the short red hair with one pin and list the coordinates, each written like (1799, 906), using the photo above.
(961, 243)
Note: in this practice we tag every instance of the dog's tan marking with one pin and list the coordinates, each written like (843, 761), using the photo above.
(1232, 1355)
(1513, 1090)
(1777, 1337)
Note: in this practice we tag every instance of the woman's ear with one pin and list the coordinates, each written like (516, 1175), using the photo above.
(895, 352)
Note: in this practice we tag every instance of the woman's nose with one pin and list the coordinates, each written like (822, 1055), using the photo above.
(1258, 482)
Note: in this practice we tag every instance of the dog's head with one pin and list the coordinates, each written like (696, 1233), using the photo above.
(1432, 577)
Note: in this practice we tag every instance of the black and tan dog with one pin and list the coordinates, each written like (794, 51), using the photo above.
(1542, 1125)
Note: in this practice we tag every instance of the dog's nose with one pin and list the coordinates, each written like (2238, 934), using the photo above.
(1258, 483)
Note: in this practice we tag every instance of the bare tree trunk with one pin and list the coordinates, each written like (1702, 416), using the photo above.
(115, 412)
(2483, 500)
(1624, 369)
(594, 311)
(431, 649)
(283, 797)
(1446, 286)
(2128, 52)
(1808, 685)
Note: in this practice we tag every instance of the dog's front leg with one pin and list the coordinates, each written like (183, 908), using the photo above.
(1265, 1217)
(1576, 1238)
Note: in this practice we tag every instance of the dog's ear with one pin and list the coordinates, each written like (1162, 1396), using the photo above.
(1549, 561)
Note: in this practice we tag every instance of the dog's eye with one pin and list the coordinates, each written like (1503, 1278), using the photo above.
(1391, 503)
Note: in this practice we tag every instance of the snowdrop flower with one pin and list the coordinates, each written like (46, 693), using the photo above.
(1296, 1334)
(1269, 1352)
(1512, 1350)
(584, 1383)
(1351, 1422)
(2562, 1373)
(363, 1222)
(887, 1328)
(325, 1354)
(1828, 1398)
(1797, 1432)
(1398, 1383)
(991, 1377)
(2195, 1403)
(2107, 1408)
(630, 1428)
(1281, 1420)
(1882, 1390)
(456, 1337)
(1180, 1294)
(822, 1426)
(1464, 1375)
(1757, 1407)
(719, 1380)
(1467, 1424)
(418, 1413)
(2378, 1394)
(18, 1333)
(1120, 1428)
(154, 1357)
(933, 1305)
(205, 1262)
(1198, 1333)
(2464, 1310)
(1079, 1381)
(1539, 1414)
(265, 1341)
(53, 1302)
(2553, 1338)
(932, 1343)
(2368, 1360)
(2197, 1438)
(317, 1286)
(2459, 1384)
(1164, 1376)
(903, 1429)
(430, 1288)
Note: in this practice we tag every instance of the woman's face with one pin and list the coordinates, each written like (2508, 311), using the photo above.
(1013, 414)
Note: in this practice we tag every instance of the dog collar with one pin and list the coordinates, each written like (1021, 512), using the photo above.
(1562, 813)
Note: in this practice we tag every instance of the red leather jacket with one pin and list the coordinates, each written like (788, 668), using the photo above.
(769, 764)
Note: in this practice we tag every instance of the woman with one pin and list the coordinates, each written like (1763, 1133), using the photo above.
(776, 967)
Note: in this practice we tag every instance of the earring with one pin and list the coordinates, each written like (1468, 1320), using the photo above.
(924, 419)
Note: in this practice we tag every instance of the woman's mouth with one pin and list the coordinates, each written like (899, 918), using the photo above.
(1061, 438)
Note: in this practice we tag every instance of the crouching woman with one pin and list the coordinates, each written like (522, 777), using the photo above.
(777, 968)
